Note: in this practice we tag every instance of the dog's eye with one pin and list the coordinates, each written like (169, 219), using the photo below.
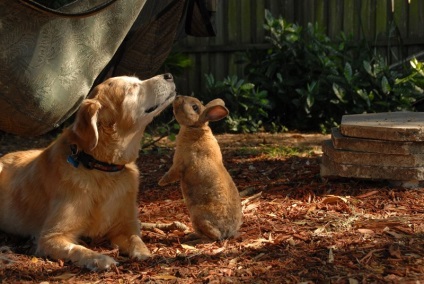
(195, 108)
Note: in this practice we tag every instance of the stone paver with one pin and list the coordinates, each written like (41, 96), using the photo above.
(387, 146)
(371, 158)
(392, 126)
(330, 168)
(342, 142)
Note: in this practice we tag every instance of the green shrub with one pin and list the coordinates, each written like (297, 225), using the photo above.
(175, 63)
(248, 106)
(312, 81)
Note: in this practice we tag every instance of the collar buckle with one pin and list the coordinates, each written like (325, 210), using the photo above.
(73, 158)
(89, 162)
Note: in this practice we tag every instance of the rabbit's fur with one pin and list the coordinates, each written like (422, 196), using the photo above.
(209, 192)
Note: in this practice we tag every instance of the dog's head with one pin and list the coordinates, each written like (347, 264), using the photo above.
(120, 108)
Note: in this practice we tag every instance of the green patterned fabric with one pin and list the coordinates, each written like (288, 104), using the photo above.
(48, 63)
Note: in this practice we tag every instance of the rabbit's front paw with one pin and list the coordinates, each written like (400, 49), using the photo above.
(164, 180)
(172, 175)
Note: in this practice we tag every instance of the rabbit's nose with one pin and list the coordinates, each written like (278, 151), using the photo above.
(168, 77)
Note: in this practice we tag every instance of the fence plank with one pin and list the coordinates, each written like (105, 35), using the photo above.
(233, 16)
(367, 19)
(239, 26)
(219, 61)
(321, 13)
(416, 19)
(259, 15)
(335, 21)
(401, 16)
(381, 18)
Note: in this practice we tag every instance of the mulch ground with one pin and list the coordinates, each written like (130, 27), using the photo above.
(298, 227)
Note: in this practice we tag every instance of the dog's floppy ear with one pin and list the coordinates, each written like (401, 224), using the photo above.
(85, 125)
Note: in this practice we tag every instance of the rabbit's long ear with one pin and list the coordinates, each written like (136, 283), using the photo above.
(213, 113)
(215, 102)
(85, 125)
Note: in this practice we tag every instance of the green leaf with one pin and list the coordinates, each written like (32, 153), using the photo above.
(368, 68)
(247, 86)
(414, 63)
(311, 87)
(310, 100)
(339, 92)
(385, 86)
(364, 96)
(268, 16)
(348, 72)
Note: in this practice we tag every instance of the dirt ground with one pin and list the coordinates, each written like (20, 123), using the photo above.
(298, 227)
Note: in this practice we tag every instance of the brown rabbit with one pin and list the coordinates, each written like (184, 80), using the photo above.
(209, 192)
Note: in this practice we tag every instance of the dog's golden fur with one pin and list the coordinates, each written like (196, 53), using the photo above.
(44, 196)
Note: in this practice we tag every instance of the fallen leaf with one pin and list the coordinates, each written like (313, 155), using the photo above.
(301, 222)
(258, 256)
(320, 229)
(251, 206)
(226, 271)
(188, 247)
(250, 198)
(331, 199)
(367, 194)
(395, 251)
(366, 231)
(64, 276)
(291, 242)
(368, 256)
(258, 243)
(233, 262)
(312, 208)
(163, 277)
(159, 231)
(218, 250)
(299, 236)
(330, 256)
(393, 234)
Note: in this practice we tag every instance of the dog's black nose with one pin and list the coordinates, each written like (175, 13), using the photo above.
(168, 77)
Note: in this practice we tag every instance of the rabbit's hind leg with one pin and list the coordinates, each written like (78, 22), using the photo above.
(205, 228)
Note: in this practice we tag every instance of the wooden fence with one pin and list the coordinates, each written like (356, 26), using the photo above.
(395, 27)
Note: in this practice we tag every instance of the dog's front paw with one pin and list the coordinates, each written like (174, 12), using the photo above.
(98, 262)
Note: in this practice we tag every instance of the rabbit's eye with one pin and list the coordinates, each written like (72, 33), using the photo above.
(195, 108)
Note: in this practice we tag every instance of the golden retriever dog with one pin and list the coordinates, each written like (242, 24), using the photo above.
(85, 183)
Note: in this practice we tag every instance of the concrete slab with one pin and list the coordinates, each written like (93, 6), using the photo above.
(392, 126)
(343, 142)
(371, 158)
(411, 175)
